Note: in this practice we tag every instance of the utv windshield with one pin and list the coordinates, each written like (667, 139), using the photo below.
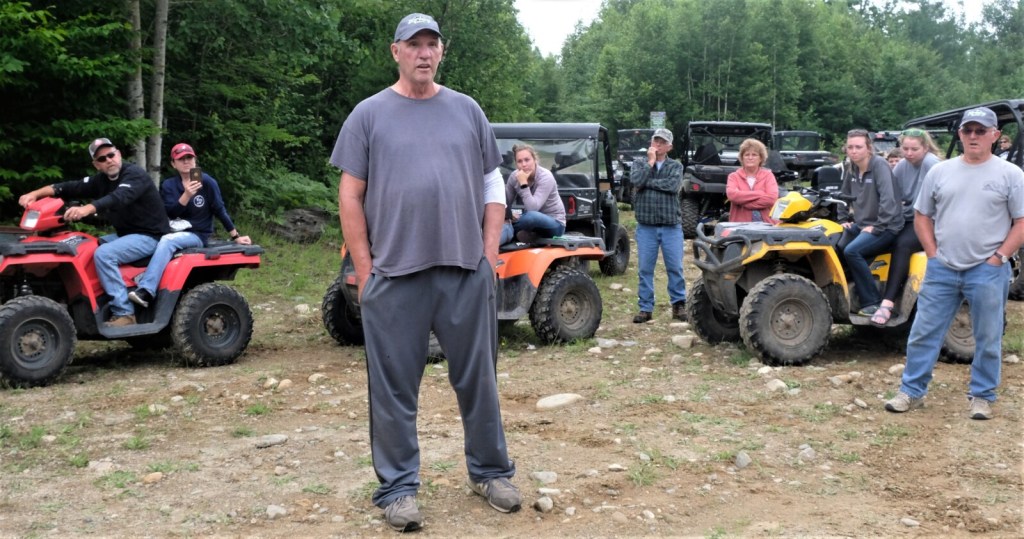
(799, 143)
(634, 139)
(571, 160)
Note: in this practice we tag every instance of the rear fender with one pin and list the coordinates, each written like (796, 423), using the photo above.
(187, 267)
(533, 263)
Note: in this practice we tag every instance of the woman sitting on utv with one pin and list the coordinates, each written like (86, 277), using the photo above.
(533, 189)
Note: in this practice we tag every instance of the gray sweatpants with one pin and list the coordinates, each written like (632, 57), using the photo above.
(398, 314)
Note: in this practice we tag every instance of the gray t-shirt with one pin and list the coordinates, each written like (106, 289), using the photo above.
(973, 207)
(908, 180)
(424, 162)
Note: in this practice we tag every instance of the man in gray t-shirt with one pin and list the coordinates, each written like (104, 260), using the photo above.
(422, 204)
(970, 220)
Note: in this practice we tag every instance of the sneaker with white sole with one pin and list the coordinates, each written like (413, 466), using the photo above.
(903, 403)
(141, 297)
(980, 408)
(500, 493)
(403, 515)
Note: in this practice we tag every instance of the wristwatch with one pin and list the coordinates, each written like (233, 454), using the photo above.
(1002, 258)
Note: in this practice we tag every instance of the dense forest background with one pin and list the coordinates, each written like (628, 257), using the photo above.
(261, 87)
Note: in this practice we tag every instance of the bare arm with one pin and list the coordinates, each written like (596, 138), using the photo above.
(1014, 239)
(351, 193)
(30, 197)
(494, 218)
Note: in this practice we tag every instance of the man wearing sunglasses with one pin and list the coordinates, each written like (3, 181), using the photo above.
(969, 217)
(124, 195)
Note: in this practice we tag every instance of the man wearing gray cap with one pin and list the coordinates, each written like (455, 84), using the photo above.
(657, 179)
(969, 216)
(423, 233)
(124, 195)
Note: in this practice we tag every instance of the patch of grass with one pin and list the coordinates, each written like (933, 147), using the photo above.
(723, 456)
(282, 480)
(258, 408)
(365, 492)
(32, 439)
(442, 466)
(142, 412)
(652, 399)
(699, 393)
(117, 479)
(317, 488)
(642, 474)
(163, 466)
(848, 458)
(136, 443)
(242, 431)
(849, 434)
(888, 434)
(820, 413)
(603, 391)
(193, 399)
(628, 429)
(741, 357)
(79, 460)
(364, 461)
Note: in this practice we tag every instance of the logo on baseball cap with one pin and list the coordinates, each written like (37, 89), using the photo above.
(413, 23)
(98, 145)
(981, 115)
(181, 150)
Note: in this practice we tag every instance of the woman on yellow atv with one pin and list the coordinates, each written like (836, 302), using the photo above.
(873, 219)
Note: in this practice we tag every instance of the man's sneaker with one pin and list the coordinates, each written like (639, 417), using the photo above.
(980, 408)
(903, 403)
(679, 310)
(500, 493)
(403, 515)
(642, 317)
(140, 296)
(120, 321)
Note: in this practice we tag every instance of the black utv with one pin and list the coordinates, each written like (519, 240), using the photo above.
(632, 143)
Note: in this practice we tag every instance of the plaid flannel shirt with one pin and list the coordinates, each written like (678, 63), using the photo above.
(656, 201)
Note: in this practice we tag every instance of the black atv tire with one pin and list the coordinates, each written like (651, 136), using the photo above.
(709, 324)
(786, 320)
(37, 341)
(958, 343)
(567, 307)
(1017, 284)
(212, 325)
(618, 261)
(690, 210)
(340, 320)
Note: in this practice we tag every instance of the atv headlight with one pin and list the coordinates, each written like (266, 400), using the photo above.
(779, 209)
(30, 220)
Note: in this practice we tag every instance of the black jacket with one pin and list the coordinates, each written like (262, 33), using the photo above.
(131, 203)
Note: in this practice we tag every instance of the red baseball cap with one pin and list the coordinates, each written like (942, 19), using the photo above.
(181, 150)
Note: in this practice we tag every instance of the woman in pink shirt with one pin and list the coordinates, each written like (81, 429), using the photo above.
(752, 188)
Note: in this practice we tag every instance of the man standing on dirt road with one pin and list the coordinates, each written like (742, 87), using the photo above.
(125, 196)
(969, 216)
(657, 180)
(422, 204)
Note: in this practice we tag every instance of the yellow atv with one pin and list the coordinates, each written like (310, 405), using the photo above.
(780, 288)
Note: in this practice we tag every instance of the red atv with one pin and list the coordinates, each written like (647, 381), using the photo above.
(50, 295)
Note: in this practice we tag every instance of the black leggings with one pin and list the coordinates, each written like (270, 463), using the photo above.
(906, 244)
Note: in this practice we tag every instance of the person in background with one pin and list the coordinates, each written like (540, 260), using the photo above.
(657, 179)
(751, 189)
(969, 217)
(533, 187)
(446, 185)
(1004, 147)
(125, 196)
(192, 203)
(893, 157)
(876, 215)
(919, 155)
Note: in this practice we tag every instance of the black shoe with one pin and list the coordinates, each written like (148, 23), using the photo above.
(140, 296)
(679, 310)
(642, 317)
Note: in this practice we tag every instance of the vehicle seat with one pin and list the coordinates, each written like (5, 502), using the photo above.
(707, 155)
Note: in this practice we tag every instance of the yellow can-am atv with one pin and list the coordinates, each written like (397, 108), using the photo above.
(780, 288)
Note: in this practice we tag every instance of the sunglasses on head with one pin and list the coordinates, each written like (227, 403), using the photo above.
(103, 158)
(979, 131)
(914, 132)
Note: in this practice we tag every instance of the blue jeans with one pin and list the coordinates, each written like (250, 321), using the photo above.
(857, 253)
(539, 223)
(985, 288)
(169, 244)
(670, 239)
(108, 259)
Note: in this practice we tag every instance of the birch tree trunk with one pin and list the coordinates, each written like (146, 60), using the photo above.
(156, 94)
(136, 102)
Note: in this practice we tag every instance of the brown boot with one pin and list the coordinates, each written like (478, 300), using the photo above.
(679, 310)
(642, 317)
(121, 321)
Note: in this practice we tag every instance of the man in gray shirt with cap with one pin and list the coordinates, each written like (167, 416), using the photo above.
(969, 216)
(423, 233)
